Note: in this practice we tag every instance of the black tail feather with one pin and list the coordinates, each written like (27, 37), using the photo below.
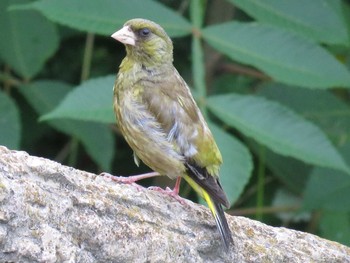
(209, 183)
(215, 198)
(222, 225)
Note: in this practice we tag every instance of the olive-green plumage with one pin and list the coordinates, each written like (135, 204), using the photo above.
(160, 120)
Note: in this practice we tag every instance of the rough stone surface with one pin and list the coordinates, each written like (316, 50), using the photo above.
(53, 213)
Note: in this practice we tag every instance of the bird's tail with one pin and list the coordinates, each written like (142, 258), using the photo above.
(217, 211)
(220, 219)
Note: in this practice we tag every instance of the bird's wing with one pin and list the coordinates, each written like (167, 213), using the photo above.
(170, 101)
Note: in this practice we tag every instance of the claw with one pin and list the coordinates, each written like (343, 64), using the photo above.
(174, 193)
(170, 192)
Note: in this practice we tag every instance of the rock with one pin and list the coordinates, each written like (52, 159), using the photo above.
(54, 213)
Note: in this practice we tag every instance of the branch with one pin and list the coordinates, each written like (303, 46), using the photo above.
(236, 68)
(54, 213)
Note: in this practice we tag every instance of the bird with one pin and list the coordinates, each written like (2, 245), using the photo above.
(160, 120)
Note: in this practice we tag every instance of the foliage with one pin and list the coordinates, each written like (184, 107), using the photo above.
(273, 80)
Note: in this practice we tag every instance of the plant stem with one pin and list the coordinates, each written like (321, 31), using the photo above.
(263, 210)
(73, 154)
(89, 46)
(261, 184)
(314, 222)
(85, 73)
(198, 68)
(8, 80)
(197, 12)
(243, 70)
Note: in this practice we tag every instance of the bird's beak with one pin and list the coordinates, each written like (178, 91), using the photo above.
(125, 36)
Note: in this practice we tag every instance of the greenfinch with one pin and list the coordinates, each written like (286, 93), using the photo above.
(160, 120)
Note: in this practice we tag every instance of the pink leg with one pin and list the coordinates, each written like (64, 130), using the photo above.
(134, 178)
(174, 193)
(176, 189)
(130, 179)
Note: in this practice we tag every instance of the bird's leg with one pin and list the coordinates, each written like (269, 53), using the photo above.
(174, 193)
(134, 178)
(176, 189)
(130, 179)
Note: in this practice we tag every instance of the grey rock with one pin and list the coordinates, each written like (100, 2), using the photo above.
(54, 213)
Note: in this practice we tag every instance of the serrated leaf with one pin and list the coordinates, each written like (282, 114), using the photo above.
(90, 101)
(236, 170)
(291, 172)
(28, 39)
(43, 96)
(106, 16)
(284, 56)
(321, 107)
(278, 128)
(317, 20)
(10, 132)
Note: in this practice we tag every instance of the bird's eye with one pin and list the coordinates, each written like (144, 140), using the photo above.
(144, 32)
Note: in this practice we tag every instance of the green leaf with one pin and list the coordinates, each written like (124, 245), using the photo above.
(278, 128)
(44, 95)
(321, 107)
(91, 101)
(236, 170)
(10, 132)
(329, 189)
(105, 17)
(291, 172)
(284, 56)
(97, 138)
(336, 226)
(318, 20)
(28, 39)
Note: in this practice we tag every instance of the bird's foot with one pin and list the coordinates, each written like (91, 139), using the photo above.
(122, 180)
(170, 192)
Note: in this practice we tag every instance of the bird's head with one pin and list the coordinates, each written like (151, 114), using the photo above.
(146, 42)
